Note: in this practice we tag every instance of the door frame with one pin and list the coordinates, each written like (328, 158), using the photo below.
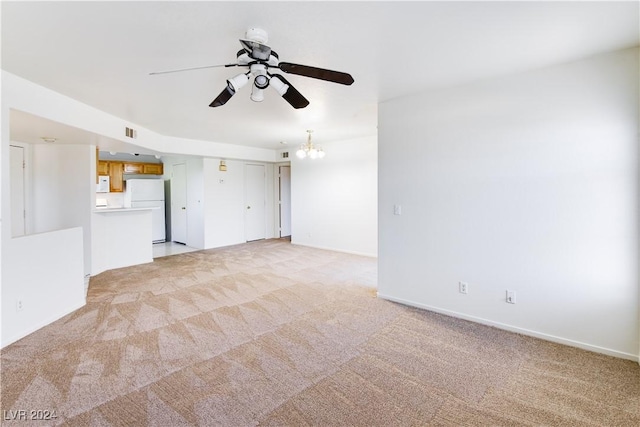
(279, 198)
(276, 197)
(26, 175)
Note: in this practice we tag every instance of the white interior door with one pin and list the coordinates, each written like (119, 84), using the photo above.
(254, 197)
(16, 157)
(285, 201)
(179, 203)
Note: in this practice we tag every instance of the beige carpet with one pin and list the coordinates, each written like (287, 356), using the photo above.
(273, 334)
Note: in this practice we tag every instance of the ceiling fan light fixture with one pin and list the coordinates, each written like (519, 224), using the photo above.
(279, 86)
(257, 94)
(261, 81)
(238, 81)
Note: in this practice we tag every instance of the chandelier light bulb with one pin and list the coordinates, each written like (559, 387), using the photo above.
(309, 150)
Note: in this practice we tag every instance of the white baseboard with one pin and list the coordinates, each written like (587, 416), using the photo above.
(528, 332)
(335, 250)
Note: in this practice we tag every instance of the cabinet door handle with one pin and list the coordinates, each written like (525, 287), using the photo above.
(183, 208)
(248, 207)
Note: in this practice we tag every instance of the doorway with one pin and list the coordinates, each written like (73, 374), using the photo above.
(179, 203)
(255, 200)
(284, 202)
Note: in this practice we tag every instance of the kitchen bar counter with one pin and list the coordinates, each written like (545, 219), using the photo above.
(120, 237)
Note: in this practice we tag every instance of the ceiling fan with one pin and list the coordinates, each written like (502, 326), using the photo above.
(260, 60)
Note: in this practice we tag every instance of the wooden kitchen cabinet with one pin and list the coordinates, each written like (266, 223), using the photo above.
(144, 168)
(103, 168)
(152, 168)
(133, 168)
(116, 172)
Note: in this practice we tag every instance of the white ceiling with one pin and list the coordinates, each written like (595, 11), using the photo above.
(101, 53)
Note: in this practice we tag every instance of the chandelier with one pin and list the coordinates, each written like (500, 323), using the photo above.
(309, 150)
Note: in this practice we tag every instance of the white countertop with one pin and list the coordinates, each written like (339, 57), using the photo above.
(110, 210)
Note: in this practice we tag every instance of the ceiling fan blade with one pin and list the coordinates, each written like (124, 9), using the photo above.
(193, 68)
(224, 96)
(316, 73)
(292, 96)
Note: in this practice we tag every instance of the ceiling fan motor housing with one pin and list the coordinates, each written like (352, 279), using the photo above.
(257, 35)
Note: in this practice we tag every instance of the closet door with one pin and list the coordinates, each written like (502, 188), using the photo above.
(254, 198)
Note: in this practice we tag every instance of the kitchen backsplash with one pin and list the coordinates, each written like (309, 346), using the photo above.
(114, 200)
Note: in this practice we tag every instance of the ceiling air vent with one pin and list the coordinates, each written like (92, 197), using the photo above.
(131, 133)
(285, 154)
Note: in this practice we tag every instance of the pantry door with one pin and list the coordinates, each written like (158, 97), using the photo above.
(179, 203)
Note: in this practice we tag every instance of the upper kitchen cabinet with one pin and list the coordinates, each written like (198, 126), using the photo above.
(103, 168)
(116, 182)
(152, 168)
(133, 168)
(143, 168)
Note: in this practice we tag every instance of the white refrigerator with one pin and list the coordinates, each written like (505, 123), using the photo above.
(148, 193)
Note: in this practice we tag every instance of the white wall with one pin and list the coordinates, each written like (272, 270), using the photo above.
(47, 280)
(224, 210)
(62, 187)
(114, 200)
(334, 199)
(527, 182)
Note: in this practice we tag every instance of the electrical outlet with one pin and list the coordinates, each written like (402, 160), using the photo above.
(19, 305)
(511, 297)
(463, 287)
